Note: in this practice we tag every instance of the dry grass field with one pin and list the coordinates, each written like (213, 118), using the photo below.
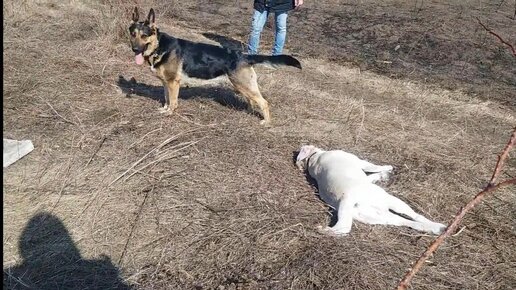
(116, 195)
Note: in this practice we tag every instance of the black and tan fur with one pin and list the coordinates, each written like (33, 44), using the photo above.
(171, 58)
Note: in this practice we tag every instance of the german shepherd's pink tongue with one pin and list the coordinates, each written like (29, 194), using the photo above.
(139, 59)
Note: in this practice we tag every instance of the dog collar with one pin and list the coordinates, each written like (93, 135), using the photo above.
(154, 53)
(311, 155)
(155, 58)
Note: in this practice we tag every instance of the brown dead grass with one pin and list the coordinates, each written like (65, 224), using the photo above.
(221, 204)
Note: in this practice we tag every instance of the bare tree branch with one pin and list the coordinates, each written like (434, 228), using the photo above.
(403, 284)
(501, 159)
(511, 47)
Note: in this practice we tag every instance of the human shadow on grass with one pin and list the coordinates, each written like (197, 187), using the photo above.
(220, 94)
(51, 260)
(313, 183)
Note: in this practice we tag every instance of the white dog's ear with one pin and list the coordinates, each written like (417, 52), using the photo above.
(305, 151)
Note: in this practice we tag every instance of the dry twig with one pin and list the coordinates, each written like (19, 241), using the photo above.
(59, 115)
(96, 151)
(157, 148)
(164, 156)
(511, 47)
(403, 284)
(133, 227)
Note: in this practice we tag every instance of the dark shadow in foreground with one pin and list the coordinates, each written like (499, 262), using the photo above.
(50, 260)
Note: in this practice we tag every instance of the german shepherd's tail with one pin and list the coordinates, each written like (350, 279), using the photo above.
(274, 60)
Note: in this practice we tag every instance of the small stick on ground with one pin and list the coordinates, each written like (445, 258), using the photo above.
(143, 137)
(511, 47)
(96, 151)
(131, 168)
(164, 143)
(134, 224)
(164, 157)
(10, 276)
(403, 284)
(59, 115)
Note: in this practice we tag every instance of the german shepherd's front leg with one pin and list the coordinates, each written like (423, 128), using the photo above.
(166, 106)
(173, 86)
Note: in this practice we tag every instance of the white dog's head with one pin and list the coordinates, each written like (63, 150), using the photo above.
(302, 158)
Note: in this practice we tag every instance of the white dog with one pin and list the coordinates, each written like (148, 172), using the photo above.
(344, 185)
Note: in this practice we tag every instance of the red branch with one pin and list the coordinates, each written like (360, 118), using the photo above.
(403, 284)
(501, 159)
(511, 47)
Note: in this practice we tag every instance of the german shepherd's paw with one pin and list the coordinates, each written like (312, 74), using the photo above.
(165, 110)
(265, 123)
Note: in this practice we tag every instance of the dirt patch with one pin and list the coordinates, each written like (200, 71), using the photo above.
(207, 198)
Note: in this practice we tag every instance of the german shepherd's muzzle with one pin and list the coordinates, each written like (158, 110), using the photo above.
(171, 58)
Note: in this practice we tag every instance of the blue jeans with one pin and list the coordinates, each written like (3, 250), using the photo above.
(259, 20)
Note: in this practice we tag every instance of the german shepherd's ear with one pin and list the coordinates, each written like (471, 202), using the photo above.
(151, 17)
(136, 15)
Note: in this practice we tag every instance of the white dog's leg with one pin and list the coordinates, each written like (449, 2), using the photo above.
(399, 206)
(420, 222)
(396, 220)
(378, 172)
(370, 167)
(373, 178)
(344, 216)
(373, 215)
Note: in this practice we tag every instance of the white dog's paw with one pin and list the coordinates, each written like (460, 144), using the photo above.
(438, 229)
(332, 231)
(384, 175)
(386, 172)
(387, 168)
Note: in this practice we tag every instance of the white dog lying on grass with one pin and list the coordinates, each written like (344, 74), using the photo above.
(344, 185)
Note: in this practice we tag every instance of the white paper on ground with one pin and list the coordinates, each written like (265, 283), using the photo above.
(14, 150)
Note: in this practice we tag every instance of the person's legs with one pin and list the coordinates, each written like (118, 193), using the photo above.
(281, 33)
(259, 19)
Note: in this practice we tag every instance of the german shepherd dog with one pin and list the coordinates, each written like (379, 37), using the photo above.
(171, 58)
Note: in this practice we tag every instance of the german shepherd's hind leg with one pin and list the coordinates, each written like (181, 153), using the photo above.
(245, 81)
